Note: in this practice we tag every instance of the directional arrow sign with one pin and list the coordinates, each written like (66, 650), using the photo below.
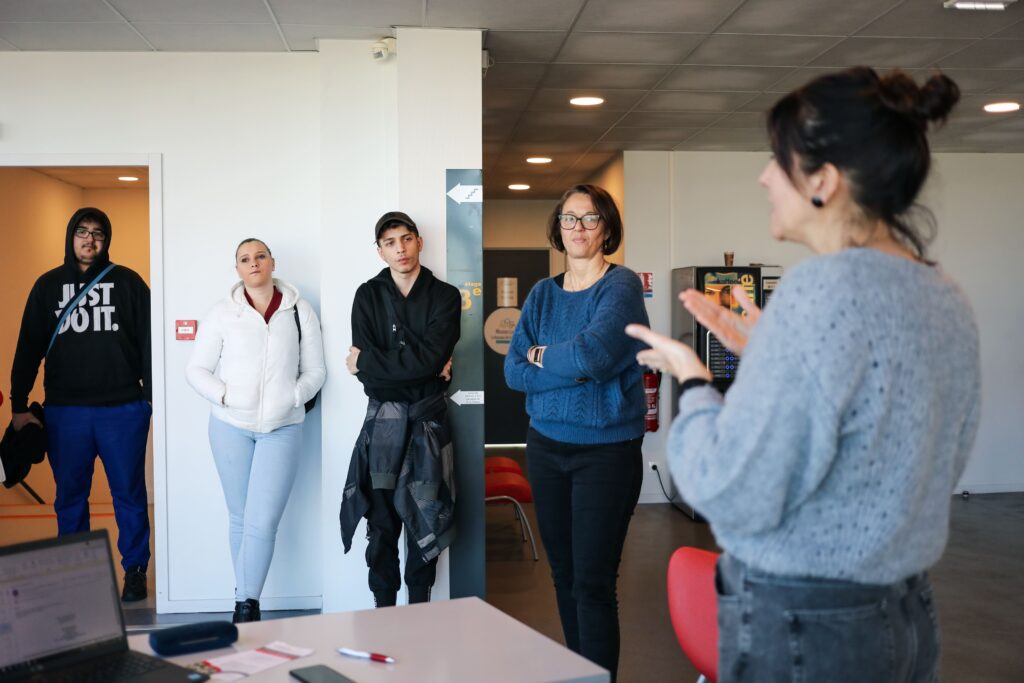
(468, 398)
(466, 193)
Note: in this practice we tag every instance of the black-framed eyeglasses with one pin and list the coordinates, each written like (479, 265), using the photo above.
(97, 235)
(590, 221)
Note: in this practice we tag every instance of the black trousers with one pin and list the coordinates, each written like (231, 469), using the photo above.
(383, 529)
(584, 496)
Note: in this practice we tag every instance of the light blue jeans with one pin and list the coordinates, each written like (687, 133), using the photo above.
(256, 472)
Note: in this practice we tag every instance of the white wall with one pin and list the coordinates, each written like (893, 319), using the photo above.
(521, 224)
(303, 151)
(717, 205)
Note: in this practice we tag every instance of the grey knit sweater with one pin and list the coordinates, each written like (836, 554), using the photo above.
(836, 451)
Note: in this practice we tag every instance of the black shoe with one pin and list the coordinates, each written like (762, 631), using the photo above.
(419, 594)
(246, 611)
(385, 598)
(134, 584)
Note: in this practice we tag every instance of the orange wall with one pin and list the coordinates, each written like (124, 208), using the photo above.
(37, 208)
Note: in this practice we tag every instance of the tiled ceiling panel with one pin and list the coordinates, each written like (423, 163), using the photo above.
(677, 100)
(558, 98)
(723, 77)
(513, 75)
(346, 13)
(570, 118)
(194, 11)
(625, 76)
(523, 46)
(629, 48)
(695, 16)
(669, 119)
(211, 37)
(1014, 32)
(650, 134)
(303, 37)
(760, 50)
(55, 10)
(928, 18)
(988, 54)
(890, 52)
(502, 14)
(827, 17)
(60, 36)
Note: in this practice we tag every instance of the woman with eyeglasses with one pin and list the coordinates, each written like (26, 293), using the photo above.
(258, 358)
(585, 398)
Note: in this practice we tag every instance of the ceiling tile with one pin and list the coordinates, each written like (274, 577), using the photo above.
(742, 120)
(1017, 87)
(674, 135)
(969, 111)
(762, 102)
(669, 119)
(348, 13)
(828, 18)
(722, 77)
(523, 46)
(537, 15)
(304, 36)
(56, 10)
(502, 76)
(698, 16)
(542, 134)
(678, 100)
(988, 54)
(741, 138)
(5, 46)
(929, 18)
(1015, 31)
(799, 78)
(623, 145)
(557, 99)
(571, 118)
(512, 99)
(625, 76)
(629, 48)
(760, 50)
(905, 53)
(195, 11)
(212, 37)
(52, 35)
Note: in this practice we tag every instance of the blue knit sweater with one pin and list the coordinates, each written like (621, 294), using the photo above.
(836, 451)
(590, 388)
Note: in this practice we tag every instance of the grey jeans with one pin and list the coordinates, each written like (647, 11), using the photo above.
(773, 628)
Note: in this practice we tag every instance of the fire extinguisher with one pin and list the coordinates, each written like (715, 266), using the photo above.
(652, 382)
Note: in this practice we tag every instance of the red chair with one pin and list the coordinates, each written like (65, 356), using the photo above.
(693, 607)
(511, 487)
(500, 463)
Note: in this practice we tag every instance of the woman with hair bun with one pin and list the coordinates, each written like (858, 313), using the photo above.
(827, 471)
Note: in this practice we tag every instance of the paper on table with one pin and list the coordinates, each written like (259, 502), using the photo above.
(241, 664)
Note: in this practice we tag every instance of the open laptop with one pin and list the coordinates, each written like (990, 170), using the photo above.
(60, 617)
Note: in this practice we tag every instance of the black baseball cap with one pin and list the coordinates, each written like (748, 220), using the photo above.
(389, 219)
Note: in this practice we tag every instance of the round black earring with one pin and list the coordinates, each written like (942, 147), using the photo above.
(817, 202)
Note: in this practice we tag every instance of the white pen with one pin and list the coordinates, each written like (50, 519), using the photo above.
(360, 654)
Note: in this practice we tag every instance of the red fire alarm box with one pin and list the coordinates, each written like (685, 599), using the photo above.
(185, 330)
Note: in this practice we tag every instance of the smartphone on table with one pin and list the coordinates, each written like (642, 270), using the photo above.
(319, 673)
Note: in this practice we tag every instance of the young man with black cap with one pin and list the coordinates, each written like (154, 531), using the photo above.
(97, 380)
(405, 324)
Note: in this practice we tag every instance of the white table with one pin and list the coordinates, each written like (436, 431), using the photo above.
(448, 641)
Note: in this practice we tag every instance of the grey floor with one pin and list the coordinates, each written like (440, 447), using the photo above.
(979, 586)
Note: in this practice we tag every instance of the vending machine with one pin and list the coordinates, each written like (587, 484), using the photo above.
(716, 283)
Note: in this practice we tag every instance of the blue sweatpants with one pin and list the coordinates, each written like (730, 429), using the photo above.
(118, 434)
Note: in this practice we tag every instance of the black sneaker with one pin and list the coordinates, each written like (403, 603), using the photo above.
(134, 584)
(385, 598)
(246, 611)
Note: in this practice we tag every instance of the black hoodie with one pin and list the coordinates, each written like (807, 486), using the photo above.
(102, 356)
(405, 341)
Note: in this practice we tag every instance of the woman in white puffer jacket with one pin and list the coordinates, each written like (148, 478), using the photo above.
(251, 362)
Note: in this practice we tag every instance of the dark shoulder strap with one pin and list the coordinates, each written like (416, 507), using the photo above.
(298, 325)
(74, 303)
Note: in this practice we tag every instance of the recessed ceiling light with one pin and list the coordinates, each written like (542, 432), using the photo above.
(1002, 107)
(518, 186)
(965, 4)
(587, 101)
(127, 178)
(538, 160)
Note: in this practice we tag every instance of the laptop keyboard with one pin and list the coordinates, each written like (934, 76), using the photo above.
(118, 667)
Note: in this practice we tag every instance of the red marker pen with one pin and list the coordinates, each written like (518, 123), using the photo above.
(372, 656)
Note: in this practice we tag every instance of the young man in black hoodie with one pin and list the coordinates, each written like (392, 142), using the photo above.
(405, 324)
(97, 381)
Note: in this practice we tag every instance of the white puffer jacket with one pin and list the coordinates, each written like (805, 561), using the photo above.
(254, 372)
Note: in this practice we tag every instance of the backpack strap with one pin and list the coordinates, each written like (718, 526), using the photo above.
(74, 303)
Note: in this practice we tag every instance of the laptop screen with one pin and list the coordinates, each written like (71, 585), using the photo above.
(57, 597)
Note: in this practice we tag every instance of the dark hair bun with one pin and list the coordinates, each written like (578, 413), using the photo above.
(931, 102)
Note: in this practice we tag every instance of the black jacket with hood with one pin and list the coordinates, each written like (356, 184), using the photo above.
(102, 355)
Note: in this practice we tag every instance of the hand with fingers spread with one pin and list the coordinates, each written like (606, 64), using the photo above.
(668, 355)
(731, 328)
